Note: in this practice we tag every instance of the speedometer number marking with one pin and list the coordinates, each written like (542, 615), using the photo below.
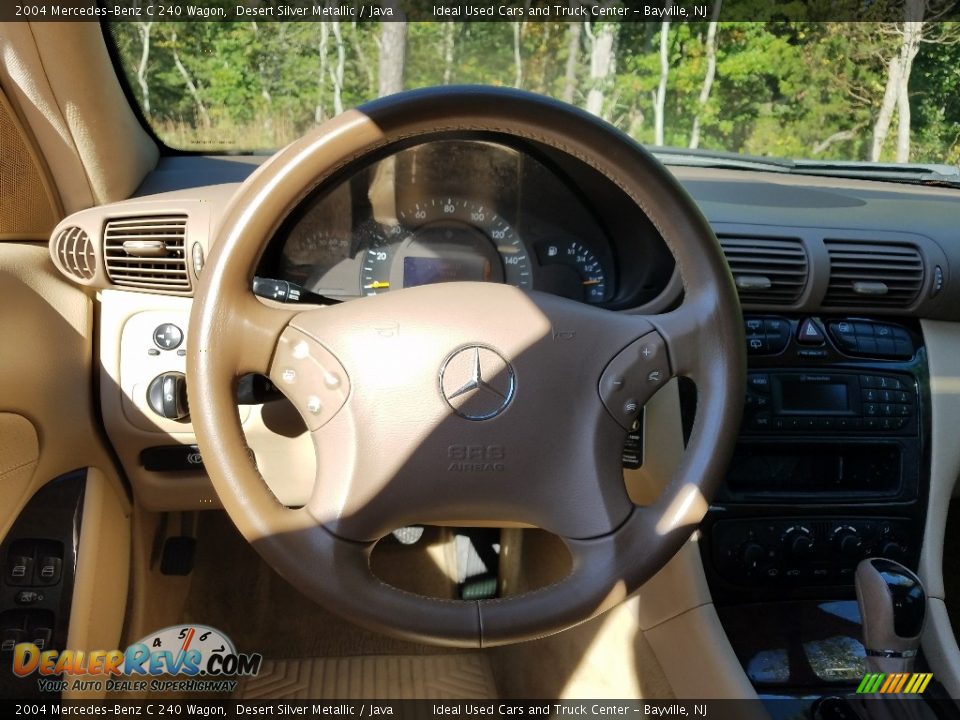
(442, 240)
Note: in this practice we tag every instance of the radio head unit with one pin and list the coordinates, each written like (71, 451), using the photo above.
(785, 401)
(817, 394)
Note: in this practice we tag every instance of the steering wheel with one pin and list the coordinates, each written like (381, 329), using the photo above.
(464, 401)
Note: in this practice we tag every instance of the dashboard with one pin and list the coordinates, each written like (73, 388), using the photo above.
(848, 443)
(464, 210)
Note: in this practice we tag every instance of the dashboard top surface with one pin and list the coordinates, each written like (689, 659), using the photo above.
(542, 198)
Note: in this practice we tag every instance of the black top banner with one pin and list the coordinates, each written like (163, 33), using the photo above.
(474, 10)
(766, 709)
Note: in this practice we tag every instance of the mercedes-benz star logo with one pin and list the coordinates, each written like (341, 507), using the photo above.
(477, 382)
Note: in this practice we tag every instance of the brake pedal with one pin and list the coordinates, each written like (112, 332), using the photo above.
(179, 551)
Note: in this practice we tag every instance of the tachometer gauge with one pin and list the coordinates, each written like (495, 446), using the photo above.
(445, 240)
(579, 273)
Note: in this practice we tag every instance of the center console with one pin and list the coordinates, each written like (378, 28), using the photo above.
(830, 468)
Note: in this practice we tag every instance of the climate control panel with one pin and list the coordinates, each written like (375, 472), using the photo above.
(805, 551)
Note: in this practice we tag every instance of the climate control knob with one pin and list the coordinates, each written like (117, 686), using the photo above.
(798, 542)
(892, 550)
(848, 542)
(752, 554)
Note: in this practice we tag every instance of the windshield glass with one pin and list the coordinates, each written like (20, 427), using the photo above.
(820, 91)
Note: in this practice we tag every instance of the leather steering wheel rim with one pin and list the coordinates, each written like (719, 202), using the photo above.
(381, 434)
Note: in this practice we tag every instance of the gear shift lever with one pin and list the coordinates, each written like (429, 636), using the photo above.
(893, 605)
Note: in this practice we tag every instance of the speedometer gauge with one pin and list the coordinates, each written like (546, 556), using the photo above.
(445, 239)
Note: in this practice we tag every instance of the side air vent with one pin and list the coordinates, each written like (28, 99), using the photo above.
(147, 252)
(873, 274)
(768, 271)
(75, 252)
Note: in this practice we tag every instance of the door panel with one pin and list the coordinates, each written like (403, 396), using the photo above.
(49, 426)
(45, 377)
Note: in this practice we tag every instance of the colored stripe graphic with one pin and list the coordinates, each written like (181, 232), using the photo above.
(895, 683)
(901, 681)
(866, 685)
(890, 682)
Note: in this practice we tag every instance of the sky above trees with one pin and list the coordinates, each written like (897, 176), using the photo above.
(832, 91)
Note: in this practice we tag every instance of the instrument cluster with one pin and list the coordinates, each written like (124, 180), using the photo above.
(448, 210)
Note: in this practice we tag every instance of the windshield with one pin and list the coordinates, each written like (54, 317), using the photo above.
(869, 92)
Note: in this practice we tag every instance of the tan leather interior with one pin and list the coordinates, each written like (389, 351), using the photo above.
(29, 207)
(41, 371)
(60, 78)
(71, 372)
(48, 420)
(435, 677)
(19, 450)
(103, 568)
(241, 330)
(943, 343)
(48, 427)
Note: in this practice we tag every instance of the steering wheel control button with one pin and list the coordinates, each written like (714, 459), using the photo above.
(301, 350)
(304, 368)
(633, 376)
(167, 336)
(477, 382)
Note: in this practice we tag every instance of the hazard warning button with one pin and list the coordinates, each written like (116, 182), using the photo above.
(809, 333)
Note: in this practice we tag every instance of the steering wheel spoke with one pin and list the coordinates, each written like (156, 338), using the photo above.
(260, 325)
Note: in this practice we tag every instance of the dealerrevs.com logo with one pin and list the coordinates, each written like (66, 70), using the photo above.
(203, 655)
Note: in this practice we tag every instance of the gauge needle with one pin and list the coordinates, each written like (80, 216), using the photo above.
(377, 285)
(592, 282)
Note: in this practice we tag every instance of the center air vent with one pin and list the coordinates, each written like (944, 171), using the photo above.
(74, 250)
(873, 274)
(147, 252)
(767, 271)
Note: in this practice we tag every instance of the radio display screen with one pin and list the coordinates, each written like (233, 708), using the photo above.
(814, 397)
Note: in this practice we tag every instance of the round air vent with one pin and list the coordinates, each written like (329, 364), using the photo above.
(75, 252)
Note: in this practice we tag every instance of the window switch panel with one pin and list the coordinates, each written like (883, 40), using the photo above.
(20, 570)
(9, 639)
(47, 570)
(41, 637)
